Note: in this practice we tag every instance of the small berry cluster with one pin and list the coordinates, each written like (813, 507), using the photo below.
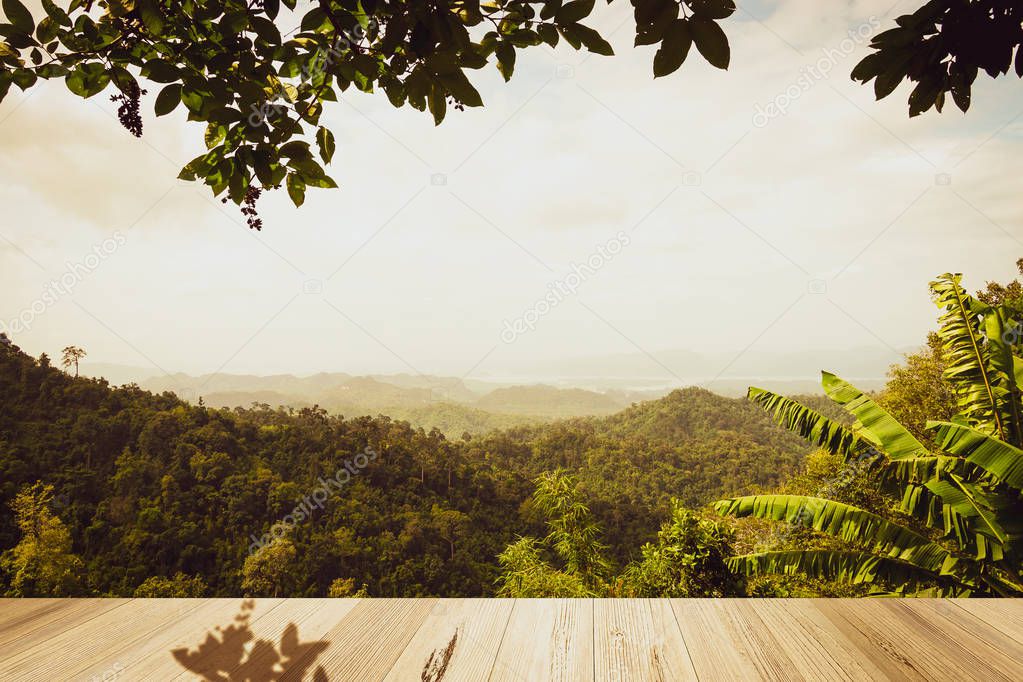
(248, 207)
(128, 112)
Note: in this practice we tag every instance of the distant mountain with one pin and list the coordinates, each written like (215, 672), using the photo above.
(549, 401)
(579, 387)
(445, 403)
(191, 387)
(683, 367)
(326, 389)
(118, 375)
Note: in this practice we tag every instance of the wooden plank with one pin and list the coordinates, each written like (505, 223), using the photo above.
(215, 618)
(727, 641)
(459, 640)
(872, 643)
(638, 639)
(27, 622)
(547, 639)
(998, 656)
(148, 656)
(816, 649)
(119, 655)
(269, 636)
(1006, 615)
(448, 640)
(898, 639)
(368, 641)
(87, 644)
(13, 611)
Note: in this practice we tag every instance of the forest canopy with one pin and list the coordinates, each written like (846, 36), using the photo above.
(146, 494)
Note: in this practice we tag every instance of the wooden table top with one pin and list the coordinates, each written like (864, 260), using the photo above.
(430, 640)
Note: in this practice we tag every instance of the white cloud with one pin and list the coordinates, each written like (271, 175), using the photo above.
(554, 165)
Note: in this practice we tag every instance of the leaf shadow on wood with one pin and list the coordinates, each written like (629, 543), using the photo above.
(229, 654)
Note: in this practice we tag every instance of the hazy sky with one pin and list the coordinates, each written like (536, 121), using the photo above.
(819, 228)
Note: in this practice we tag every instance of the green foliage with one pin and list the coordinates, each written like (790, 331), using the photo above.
(965, 496)
(71, 356)
(808, 423)
(180, 585)
(345, 588)
(152, 486)
(941, 47)
(260, 91)
(41, 564)
(574, 539)
(918, 391)
(688, 560)
(977, 343)
(918, 556)
(1009, 295)
(574, 536)
(267, 571)
(525, 574)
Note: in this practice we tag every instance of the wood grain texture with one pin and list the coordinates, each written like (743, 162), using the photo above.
(547, 639)
(459, 640)
(451, 640)
(638, 639)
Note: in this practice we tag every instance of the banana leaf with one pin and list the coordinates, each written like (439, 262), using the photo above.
(808, 423)
(848, 523)
(978, 506)
(893, 437)
(977, 385)
(1000, 459)
(850, 567)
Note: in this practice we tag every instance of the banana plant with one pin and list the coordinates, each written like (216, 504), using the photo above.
(967, 493)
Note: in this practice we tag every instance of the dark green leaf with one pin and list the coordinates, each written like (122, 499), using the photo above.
(47, 30)
(548, 34)
(506, 59)
(87, 79)
(18, 15)
(711, 42)
(53, 71)
(325, 142)
(593, 41)
(56, 13)
(459, 86)
(168, 99)
(674, 48)
(886, 83)
(573, 12)
(323, 182)
(160, 71)
(712, 9)
(437, 101)
(296, 189)
(151, 15)
(296, 149)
